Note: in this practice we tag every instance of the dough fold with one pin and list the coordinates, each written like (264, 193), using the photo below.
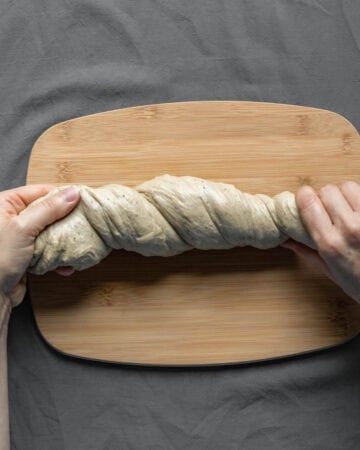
(163, 217)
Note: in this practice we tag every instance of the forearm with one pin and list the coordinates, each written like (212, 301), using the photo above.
(5, 310)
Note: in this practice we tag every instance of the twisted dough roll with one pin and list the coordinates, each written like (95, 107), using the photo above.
(163, 217)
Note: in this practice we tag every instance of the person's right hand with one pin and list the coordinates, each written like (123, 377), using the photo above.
(332, 219)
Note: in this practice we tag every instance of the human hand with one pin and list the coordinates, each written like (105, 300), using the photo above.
(19, 226)
(332, 219)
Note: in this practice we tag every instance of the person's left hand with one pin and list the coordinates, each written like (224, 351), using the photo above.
(19, 227)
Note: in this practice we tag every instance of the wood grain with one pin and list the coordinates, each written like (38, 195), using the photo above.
(212, 307)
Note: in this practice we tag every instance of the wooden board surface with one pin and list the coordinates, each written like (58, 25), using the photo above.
(201, 307)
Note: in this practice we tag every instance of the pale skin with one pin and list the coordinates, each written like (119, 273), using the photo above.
(331, 216)
(19, 227)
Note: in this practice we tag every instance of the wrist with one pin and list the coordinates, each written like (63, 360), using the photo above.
(5, 309)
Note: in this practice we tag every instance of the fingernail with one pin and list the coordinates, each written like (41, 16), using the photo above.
(308, 190)
(70, 194)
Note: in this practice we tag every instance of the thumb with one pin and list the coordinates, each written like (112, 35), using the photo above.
(308, 254)
(44, 212)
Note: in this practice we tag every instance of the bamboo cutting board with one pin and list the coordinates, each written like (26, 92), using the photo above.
(201, 307)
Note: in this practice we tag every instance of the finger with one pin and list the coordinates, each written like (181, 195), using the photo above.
(351, 191)
(336, 205)
(17, 199)
(313, 214)
(36, 217)
(65, 271)
(17, 294)
(308, 254)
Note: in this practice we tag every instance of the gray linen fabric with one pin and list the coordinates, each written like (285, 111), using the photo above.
(65, 58)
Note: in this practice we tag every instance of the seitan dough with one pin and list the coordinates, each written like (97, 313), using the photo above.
(163, 217)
